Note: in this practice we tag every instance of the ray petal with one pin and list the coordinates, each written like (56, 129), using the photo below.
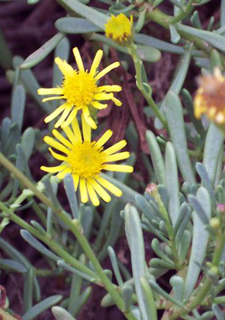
(99, 105)
(52, 98)
(64, 67)
(96, 62)
(70, 118)
(83, 191)
(116, 147)
(92, 194)
(63, 117)
(78, 59)
(46, 91)
(76, 130)
(109, 186)
(55, 113)
(117, 102)
(87, 117)
(55, 144)
(118, 168)
(101, 192)
(61, 139)
(107, 69)
(86, 128)
(75, 180)
(103, 96)
(56, 155)
(108, 88)
(70, 134)
(53, 169)
(62, 174)
(118, 156)
(104, 138)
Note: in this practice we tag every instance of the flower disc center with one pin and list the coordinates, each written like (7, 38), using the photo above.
(79, 89)
(86, 160)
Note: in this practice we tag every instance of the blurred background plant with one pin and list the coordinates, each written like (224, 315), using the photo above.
(158, 251)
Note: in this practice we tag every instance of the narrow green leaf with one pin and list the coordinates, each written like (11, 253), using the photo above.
(172, 183)
(31, 85)
(82, 300)
(18, 105)
(188, 103)
(219, 313)
(37, 245)
(87, 12)
(174, 116)
(42, 52)
(75, 25)
(65, 266)
(163, 293)
(156, 156)
(195, 20)
(71, 195)
(148, 53)
(27, 142)
(174, 35)
(213, 145)
(184, 245)
(199, 241)
(127, 292)
(159, 44)
(149, 302)
(136, 243)
(182, 221)
(146, 208)
(128, 193)
(12, 265)
(206, 181)
(61, 314)
(42, 306)
(212, 38)
(161, 264)
(177, 284)
(159, 251)
(28, 290)
(114, 263)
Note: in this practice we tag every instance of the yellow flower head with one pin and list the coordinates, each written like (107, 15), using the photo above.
(210, 97)
(119, 29)
(85, 160)
(80, 90)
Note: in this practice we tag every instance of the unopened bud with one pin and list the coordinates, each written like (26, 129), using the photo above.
(221, 208)
(215, 223)
(151, 189)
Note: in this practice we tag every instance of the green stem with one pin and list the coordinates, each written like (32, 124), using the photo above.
(52, 244)
(164, 20)
(204, 290)
(74, 226)
(132, 49)
(184, 13)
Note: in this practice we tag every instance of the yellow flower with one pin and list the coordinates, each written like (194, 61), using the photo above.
(119, 29)
(80, 90)
(210, 97)
(86, 159)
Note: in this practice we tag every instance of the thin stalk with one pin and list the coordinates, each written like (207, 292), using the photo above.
(74, 226)
(52, 244)
(204, 290)
(132, 49)
(164, 20)
(184, 13)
